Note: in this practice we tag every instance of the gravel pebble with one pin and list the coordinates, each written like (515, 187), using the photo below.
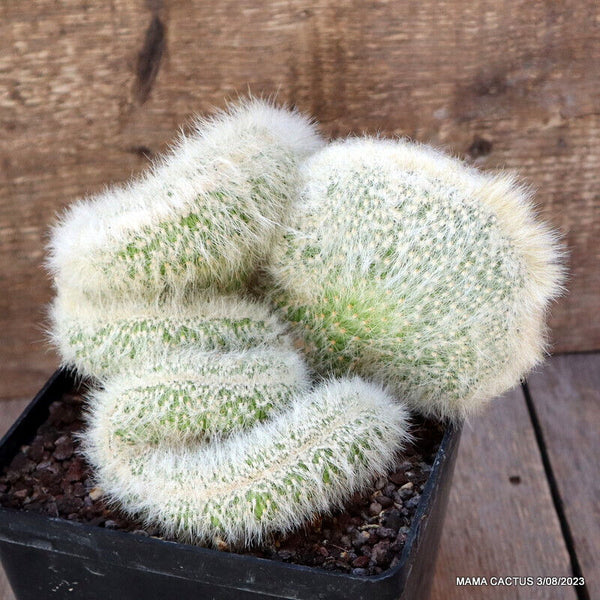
(36, 450)
(360, 539)
(140, 532)
(393, 519)
(76, 470)
(384, 501)
(380, 553)
(96, 493)
(413, 502)
(375, 508)
(68, 504)
(22, 463)
(399, 478)
(110, 524)
(361, 562)
(386, 532)
(64, 449)
(389, 490)
(21, 494)
(380, 483)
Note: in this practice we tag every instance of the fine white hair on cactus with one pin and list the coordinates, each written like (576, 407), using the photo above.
(193, 396)
(272, 477)
(202, 217)
(408, 267)
(202, 420)
(106, 338)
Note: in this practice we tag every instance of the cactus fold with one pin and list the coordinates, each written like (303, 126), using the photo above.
(270, 477)
(407, 267)
(128, 335)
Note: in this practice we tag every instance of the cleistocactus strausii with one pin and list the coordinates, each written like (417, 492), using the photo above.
(204, 423)
(408, 267)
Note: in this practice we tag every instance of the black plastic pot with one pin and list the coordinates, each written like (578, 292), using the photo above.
(48, 557)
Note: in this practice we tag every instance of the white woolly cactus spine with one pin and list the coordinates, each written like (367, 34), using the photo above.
(408, 267)
(202, 217)
(204, 424)
(102, 340)
(232, 446)
(195, 396)
(270, 478)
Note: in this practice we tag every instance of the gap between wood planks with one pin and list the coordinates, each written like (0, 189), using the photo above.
(565, 403)
(544, 440)
(581, 591)
(501, 520)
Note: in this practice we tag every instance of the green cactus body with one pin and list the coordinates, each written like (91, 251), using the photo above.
(129, 335)
(235, 442)
(271, 478)
(203, 422)
(195, 396)
(183, 254)
(411, 269)
(201, 218)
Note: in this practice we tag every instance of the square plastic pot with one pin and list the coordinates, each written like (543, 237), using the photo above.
(48, 557)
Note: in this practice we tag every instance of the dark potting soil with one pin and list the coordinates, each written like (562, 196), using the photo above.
(50, 477)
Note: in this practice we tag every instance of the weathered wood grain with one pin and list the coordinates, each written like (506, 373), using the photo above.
(501, 520)
(566, 395)
(90, 90)
(9, 411)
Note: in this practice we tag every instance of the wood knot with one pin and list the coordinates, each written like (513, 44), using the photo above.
(149, 59)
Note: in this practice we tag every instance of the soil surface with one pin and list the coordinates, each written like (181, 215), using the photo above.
(50, 477)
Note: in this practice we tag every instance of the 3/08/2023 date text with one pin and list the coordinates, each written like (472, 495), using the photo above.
(519, 581)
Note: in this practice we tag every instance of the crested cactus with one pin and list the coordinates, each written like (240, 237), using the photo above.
(201, 218)
(195, 395)
(127, 335)
(204, 422)
(405, 266)
(270, 477)
(231, 444)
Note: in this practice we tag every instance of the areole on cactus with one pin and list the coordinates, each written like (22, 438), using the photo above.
(202, 421)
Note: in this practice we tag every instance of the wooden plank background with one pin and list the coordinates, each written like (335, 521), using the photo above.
(566, 395)
(501, 521)
(89, 91)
